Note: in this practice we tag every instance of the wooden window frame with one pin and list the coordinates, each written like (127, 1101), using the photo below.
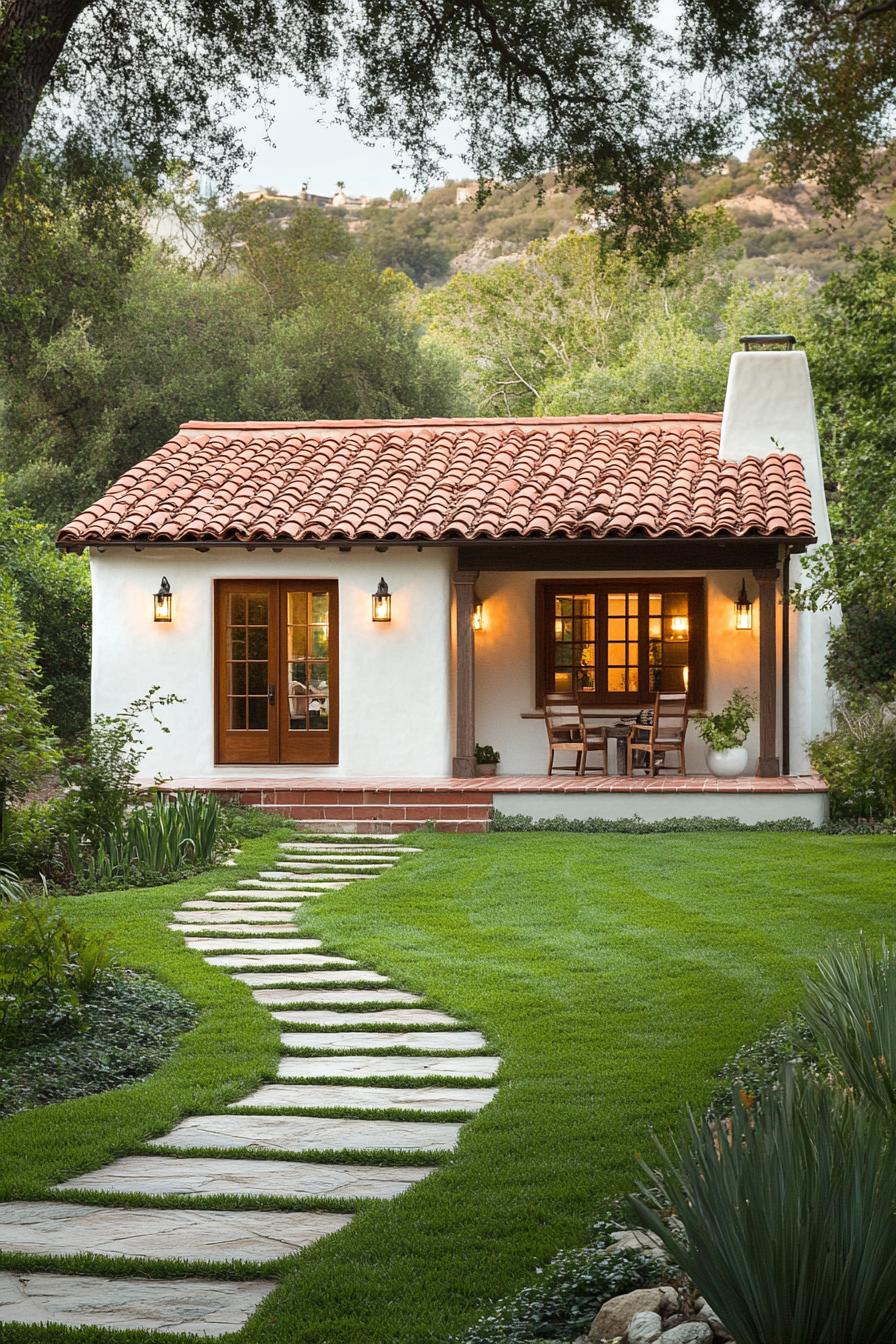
(547, 589)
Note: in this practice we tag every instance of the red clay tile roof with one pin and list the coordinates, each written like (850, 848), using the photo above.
(434, 480)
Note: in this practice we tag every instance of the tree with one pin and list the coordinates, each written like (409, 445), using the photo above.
(52, 594)
(570, 307)
(595, 90)
(102, 355)
(27, 747)
(854, 354)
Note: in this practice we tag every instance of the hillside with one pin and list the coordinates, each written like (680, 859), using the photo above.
(443, 232)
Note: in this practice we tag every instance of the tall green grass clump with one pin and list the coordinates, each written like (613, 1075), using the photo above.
(785, 1209)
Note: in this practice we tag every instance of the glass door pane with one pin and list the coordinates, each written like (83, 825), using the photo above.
(309, 669)
(247, 642)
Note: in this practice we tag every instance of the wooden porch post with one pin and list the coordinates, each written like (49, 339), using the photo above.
(767, 579)
(464, 763)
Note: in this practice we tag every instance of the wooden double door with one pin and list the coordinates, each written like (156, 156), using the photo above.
(276, 672)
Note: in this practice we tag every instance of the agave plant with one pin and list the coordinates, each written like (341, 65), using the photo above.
(788, 1215)
(850, 1004)
(11, 888)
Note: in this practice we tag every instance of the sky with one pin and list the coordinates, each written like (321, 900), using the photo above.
(304, 145)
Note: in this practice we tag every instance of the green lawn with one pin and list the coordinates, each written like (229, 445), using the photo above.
(613, 974)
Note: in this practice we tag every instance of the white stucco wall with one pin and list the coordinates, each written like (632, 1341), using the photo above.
(506, 657)
(769, 397)
(395, 699)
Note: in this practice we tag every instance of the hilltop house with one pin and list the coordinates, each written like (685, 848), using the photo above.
(597, 554)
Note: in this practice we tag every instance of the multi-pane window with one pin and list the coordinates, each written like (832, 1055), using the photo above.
(612, 642)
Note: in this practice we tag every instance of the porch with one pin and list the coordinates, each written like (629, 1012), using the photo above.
(463, 804)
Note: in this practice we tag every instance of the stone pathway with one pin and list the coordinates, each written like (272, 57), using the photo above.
(343, 1025)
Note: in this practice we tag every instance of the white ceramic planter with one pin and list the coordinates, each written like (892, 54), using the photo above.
(727, 764)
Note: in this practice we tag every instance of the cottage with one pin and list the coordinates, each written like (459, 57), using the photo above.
(346, 606)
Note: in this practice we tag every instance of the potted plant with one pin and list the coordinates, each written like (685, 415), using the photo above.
(725, 734)
(486, 760)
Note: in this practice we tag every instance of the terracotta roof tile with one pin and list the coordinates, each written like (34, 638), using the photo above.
(591, 477)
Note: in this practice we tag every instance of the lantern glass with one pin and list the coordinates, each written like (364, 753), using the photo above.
(476, 618)
(743, 610)
(161, 602)
(382, 602)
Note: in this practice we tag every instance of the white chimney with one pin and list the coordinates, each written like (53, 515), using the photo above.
(769, 402)
(770, 409)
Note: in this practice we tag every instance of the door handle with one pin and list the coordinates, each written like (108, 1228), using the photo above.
(272, 693)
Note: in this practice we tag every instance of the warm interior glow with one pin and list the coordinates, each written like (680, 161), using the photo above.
(476, 618)
(679, 627)
(686, 675)
(161, 602)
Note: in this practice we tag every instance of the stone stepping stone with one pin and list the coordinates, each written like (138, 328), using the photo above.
(319, 875)
(388, 1066)
(283, 926)
(332, 882)
(247, 1176)
(298, 1133)
(268, 894)
(245, 961)
(225, 915)
(384, 1040)
(288, 995)
(327, 978)
(262, 943)
(312, 862)
(237, 907)
(392, 1017)
(183, 1306)
(42, 1227)
(375, 851)
(282, 1096)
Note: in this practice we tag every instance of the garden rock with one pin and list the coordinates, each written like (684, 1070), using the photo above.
(647, 1243)
(670, 1302)
(615, 1316)
(691, 1332)
(646, 1326)
(712, 1320)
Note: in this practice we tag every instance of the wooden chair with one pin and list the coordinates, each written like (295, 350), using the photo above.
(563, 721)
(568, 731)
(595, 736)
(651, 742)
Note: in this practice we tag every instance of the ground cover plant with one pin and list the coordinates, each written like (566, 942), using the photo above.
(614, 974)
(127, 1026)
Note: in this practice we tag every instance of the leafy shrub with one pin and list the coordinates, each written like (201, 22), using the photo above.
(850, 1004)
(128, 1026)
(239, 822)
(637, 826)
(486, 755)
(862, 651)
(787, 1217)
(731, 726)
(100, 774)
(52, 592)
(857, 758)
(33, 837)
(570, 1292)
(27, 746)
(47, 966)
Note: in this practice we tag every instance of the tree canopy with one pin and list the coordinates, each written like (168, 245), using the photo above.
(107, 344)
(596, 90)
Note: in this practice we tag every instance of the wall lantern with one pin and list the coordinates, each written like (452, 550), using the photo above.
(743, 609)
(476, 619)
(679, 627)
(161, 602)
(382, 602)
